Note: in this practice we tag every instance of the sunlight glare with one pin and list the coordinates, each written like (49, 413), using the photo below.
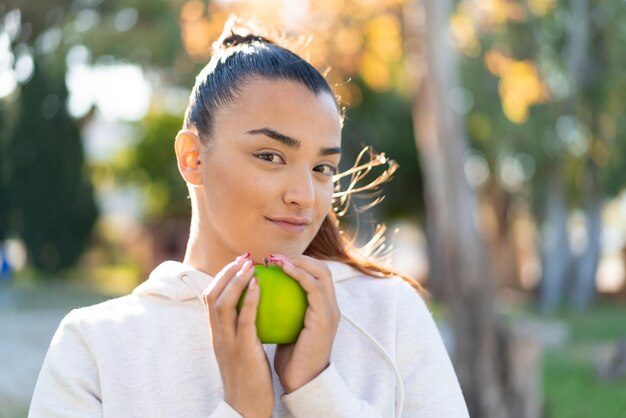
(120, 91)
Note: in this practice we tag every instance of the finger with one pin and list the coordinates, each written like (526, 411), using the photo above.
(219, 282)
(246, 323)
(217, 319)
(313, 287)
(225, 310)
(232, 293)
(316, 268)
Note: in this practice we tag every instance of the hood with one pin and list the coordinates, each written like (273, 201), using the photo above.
(177, 281)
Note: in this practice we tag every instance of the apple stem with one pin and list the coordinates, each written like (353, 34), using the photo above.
(266, 262)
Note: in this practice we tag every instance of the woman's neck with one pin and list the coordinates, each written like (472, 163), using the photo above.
(202, 253)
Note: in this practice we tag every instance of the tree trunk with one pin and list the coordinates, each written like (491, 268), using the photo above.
(483, 347)
(584, 289)
(500, 237)
(560, 268)
(556, 255)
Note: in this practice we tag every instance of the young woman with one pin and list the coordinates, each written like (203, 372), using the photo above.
(260, 144)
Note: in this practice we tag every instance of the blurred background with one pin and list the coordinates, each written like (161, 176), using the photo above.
(505, 117)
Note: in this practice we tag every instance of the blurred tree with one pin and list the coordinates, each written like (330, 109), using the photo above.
(485, 347)
(4, 178)
(47, 195)
(553, 113)
(384, 121)
(596, 66)
(505, 127)
(151, 164)
(146, 33)
(51, 202)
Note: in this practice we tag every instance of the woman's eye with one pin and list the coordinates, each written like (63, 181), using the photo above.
(327, 170)
(270, 156)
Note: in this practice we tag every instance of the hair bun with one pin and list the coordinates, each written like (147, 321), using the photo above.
(235, 39)
(239, 32)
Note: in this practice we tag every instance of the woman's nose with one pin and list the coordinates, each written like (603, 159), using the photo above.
(300, 191)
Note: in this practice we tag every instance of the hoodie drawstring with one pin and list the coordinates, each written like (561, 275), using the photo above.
(390, 362)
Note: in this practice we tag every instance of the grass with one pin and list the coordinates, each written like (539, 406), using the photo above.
(606, 322)
(571, 388)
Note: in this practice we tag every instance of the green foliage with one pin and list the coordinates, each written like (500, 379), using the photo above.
(50, 198)
(151, 163)
(583, 101)
(384, 121)
(153, 41)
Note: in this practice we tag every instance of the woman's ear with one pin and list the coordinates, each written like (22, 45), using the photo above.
(187, 147)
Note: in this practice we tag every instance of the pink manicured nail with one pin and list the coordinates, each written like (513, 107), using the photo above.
(281, 260)
(247, 265)
(275, 257)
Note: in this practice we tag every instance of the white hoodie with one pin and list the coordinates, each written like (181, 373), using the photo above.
(149, 354)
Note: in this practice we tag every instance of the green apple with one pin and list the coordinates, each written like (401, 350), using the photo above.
(283, 302)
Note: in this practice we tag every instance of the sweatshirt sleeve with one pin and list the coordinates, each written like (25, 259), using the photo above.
(68, 384)
(431, 386)
(338, 400)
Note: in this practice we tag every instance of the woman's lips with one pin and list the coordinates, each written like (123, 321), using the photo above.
(288, 226)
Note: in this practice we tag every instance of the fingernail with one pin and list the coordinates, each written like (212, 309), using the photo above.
(283, 263)
(243, 257)
(281, 260)
(248, 265)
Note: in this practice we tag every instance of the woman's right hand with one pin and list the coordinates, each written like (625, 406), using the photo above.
(244, 366)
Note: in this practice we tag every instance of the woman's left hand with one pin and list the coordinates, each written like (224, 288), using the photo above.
(298, 363)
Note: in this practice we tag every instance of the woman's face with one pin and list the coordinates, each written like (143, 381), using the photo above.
(267, 174)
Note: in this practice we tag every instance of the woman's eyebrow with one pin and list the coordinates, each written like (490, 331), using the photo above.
(329, 151)
(291, 142)
(286, 140)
